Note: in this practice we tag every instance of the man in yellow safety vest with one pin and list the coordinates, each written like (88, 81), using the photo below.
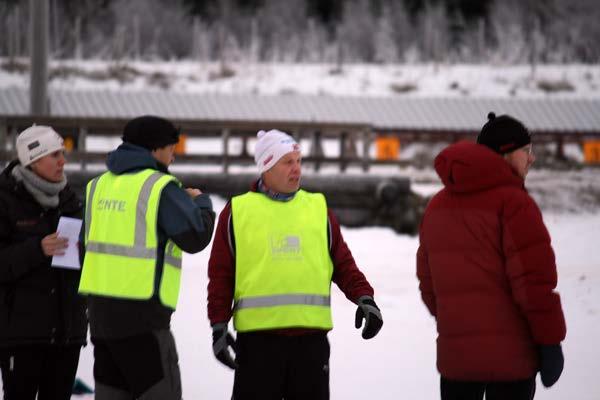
(138, 219)
(276, 251)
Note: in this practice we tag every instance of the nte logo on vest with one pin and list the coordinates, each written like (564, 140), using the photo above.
(111, 205)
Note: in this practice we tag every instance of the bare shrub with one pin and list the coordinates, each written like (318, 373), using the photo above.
(403, 87)
(550, 86)
(159, 79)
(222, 73)
(14, 65)
(123, 73)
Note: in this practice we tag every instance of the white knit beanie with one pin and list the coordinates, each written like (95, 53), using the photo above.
(36, 142)
(271, 146)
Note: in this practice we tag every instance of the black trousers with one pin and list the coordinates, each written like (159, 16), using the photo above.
(506, 390)
(47, 371)
(276, 367)
(138, 367)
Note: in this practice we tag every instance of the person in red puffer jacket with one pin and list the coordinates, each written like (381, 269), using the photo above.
(487, 271)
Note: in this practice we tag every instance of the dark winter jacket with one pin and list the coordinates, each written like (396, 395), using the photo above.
(189, 223)
(38, 303)
(221, 268)
(486, 269)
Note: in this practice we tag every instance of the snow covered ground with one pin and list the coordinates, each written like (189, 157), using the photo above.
(429, 80)
(400, 362)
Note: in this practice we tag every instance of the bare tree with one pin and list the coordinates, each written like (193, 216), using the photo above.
(280, 29)
(404, 34)
(386, 50)
(581, 32)
(78, 52)
(509, 37)
(163, 29)
(255, 40)
(14, 29)
(313, 42)
(433, 27)
(356, 31)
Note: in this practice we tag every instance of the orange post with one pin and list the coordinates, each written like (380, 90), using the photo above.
(69, 144)
(387, 147)
(180, 146)
(591, 151)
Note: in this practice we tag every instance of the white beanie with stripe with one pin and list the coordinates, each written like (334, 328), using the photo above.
(271, 146)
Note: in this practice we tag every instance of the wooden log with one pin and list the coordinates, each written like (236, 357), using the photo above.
(356, 200)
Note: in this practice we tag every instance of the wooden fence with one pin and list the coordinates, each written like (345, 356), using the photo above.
(349, 138)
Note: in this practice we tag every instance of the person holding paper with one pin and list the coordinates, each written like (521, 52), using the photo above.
(42, 318)
(138, 220)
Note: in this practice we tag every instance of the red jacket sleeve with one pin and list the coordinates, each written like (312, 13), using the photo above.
(346, 275)
(531, 269)
(424, 276)
(221, 272)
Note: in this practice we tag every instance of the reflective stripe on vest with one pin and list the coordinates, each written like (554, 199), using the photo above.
(283, 267)
(173, 255)
(171, 276)
(121, 256)
(283, 300)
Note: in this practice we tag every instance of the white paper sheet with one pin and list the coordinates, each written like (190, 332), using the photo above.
(68, 228)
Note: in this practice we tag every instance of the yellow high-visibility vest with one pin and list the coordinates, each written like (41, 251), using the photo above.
(283, 268)
(121, 239)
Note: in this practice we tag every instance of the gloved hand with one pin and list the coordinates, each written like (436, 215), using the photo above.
(551, 363)
(368, 310)
(222, 340)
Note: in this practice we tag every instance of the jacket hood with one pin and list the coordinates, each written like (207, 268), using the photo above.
(469, 167)
(129, 157)
(6, 178)
(9, 167)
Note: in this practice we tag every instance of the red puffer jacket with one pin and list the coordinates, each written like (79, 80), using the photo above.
(486, 269)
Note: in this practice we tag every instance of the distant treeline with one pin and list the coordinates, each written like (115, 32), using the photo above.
(334, 31)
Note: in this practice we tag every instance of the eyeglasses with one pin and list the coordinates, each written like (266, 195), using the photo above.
(527, 149)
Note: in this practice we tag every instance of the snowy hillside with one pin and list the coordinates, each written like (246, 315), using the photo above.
(427, 80)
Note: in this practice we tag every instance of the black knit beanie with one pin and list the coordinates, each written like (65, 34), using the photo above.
(150, 132)
(503, 134)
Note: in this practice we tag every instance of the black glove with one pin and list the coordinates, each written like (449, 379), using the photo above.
(222, 340)
(551, 363)
(368, 310)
